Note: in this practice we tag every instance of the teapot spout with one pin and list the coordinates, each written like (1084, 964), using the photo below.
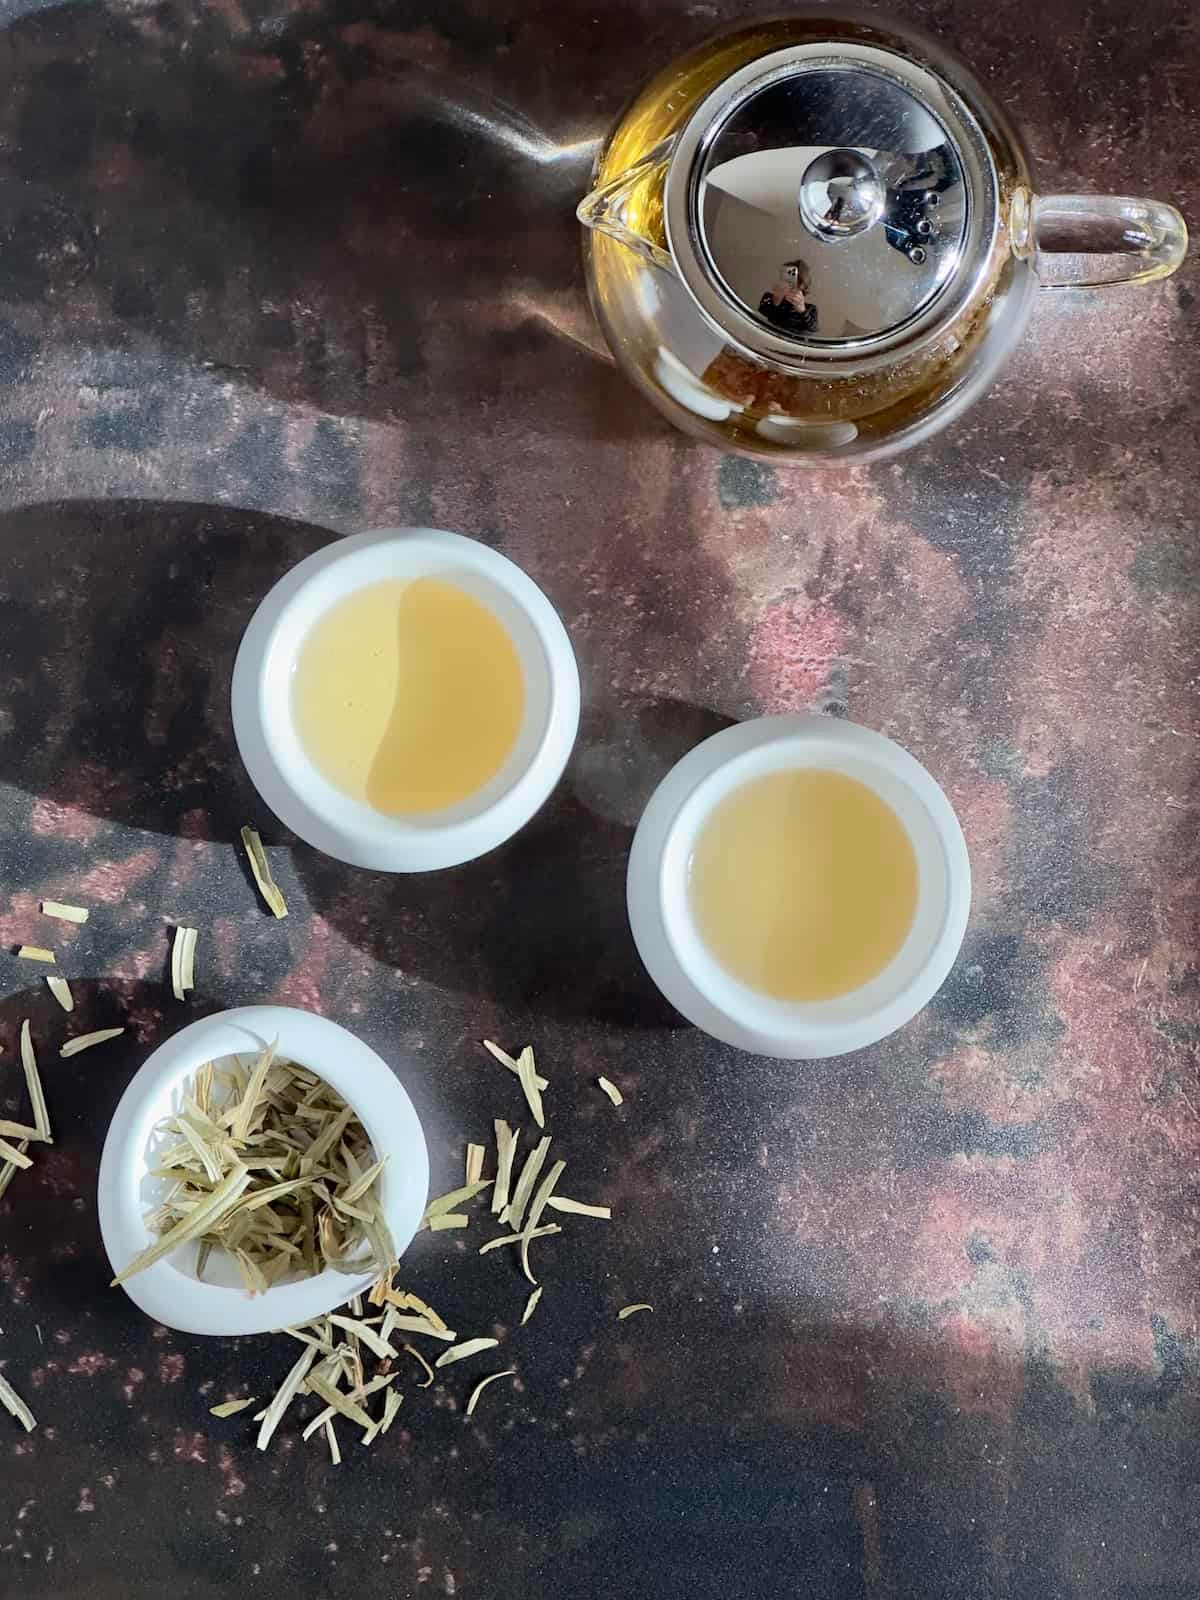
(628, 207)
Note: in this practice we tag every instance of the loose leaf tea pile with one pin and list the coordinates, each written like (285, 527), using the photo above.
(270, 1164)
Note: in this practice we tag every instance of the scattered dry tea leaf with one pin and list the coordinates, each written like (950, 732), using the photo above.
(191, 1224)
(35, 952)
(455, 1198)
(9, 1169)
(531, 1305)
(14, 1155)
(423, 1326)
(559, 1202)
(509, 1372)
(505, 1060)
(17, 1130)
(342, 1403)
(459, 1352)
(85, 1041)
(506, 1150)
(611, 1090)
(362, 1330)
(474, 1168)
(286, 1393)
(64, 913)
(515, 1238)
(261, 868)
(416, 1354)
(448, 1219)
(183, 961)
(535, 1214)
(530, 1084)
(230, 1408)
(15, 1406)
(61, 990)
(391, 1405)
(33, 1081)
(515, 1211)
(331, 1439)
(628, 1311)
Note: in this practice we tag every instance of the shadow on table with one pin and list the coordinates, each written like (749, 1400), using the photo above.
(119, 624)
(331, 209)
(539, 926)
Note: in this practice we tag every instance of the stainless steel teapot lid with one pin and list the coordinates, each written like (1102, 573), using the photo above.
(830, 201)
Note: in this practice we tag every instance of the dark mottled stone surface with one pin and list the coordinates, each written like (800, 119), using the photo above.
(926, 1317)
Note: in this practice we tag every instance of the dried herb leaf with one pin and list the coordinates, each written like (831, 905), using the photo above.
(509, 1372)
(391, 1405)
(61, 990)
(459, 1352)
(261, 868)
(284, 1396)
(628, 1311)
(179, 955)
(448, 1219)
(33, 1081)
(505, 1060)
(530, 1084)
(611, 1090)
(362, 1330)
(335, 1454)
(474, 1167)
(416, 1354)
(506, 1150)
(531, 1305)
(10, 1169)
(15, 1406)
(456, 1197)
(515, 1212)
(35, 952)
(421, 1325)
(559, 1202)
(230, 1408)
(13, 1155)
(535, 1214)
(85, 1041)
(515, 1238)
(350, 1409)
(64, 913)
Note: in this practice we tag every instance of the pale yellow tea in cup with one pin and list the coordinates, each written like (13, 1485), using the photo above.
(408, 695)
(803, 884)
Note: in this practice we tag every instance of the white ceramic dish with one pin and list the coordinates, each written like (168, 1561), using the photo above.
(676, 956)
(303, 797)
(169, 1291)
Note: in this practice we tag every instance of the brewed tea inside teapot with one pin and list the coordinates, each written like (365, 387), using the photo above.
(818, 238)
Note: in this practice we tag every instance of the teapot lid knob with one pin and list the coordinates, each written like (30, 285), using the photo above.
(831, 199)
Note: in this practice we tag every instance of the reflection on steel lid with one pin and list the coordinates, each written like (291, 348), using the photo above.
(831, 195)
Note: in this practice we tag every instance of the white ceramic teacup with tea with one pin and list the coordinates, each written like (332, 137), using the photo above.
(798, 886)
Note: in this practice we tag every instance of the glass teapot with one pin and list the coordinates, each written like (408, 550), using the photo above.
(816, 238)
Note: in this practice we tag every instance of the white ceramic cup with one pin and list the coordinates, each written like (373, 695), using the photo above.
(325, 816)
(676, 955)
(169, 1290)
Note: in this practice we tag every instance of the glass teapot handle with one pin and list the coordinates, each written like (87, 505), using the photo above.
(1138, 240)
(607, 208)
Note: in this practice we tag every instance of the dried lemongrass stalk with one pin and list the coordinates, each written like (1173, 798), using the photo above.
(15, 1406)
(474, 1166)
(416, 1354)
(15, 1156)
(192, 1224)
(261, 868)
(505, 1060)
(531, 1305)
(448, 1219)
(391, 1405)
(509, 1372)
(9, 1169)
(307, 1198)
(455, 1198)
(230, 1408)
(628, 1311)
(535, 1214)
(506, 1151)
(286, 1393)
(64, 913)
(33, 1081)
(515, 1238)
(422, 1326)
(85, 1041)
(531, 1084)
(559, 1202)
(17, 1130)
(459, 1352)
(611, 1090)
(182, 961)
(35, 952)
(515, 1210)
(61, 990)
(331, 1439)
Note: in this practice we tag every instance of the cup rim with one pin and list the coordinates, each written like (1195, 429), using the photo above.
(334, 822)
(175, 1297)
(675, 953)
